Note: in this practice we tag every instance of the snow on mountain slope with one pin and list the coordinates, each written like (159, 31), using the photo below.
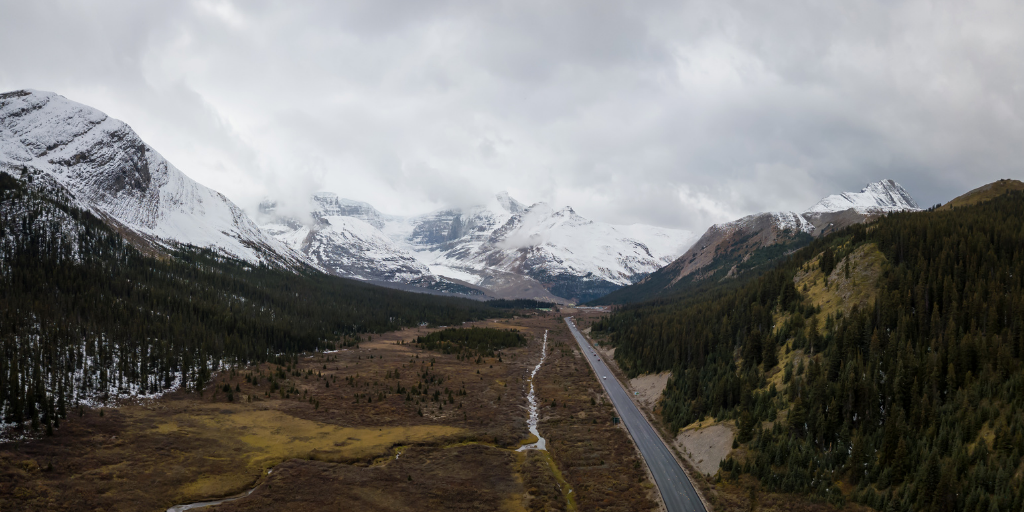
(739, 237)
(104, 164)
(879, 197)
(328, 204)
(501, 246)
(504, 246)
(542, 242)
(352, 247)
(344, 238)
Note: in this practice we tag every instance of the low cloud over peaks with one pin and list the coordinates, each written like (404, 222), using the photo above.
(673, 114)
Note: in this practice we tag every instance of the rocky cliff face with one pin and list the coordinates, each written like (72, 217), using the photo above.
(744, 236)
(109, 170)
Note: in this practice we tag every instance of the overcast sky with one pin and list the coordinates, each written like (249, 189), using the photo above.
(677, 114)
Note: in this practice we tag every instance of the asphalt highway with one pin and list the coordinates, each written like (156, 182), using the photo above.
(676, 489)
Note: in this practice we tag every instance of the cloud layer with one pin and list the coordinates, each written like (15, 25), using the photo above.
(677, 114)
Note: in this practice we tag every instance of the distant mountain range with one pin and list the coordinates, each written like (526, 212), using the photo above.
(499, 248)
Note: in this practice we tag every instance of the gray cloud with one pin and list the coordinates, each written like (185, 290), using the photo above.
(667, 113)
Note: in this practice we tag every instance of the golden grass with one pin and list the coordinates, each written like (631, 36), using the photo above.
(188, 448)
(984, 193)
(705, 423)
(987, 434)
(254, 440)
(842, 293)
(567, 492)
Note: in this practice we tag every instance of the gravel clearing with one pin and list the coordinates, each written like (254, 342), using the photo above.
(706, 447)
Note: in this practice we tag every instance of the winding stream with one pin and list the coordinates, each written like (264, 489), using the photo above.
(204, 504)
(541, 444)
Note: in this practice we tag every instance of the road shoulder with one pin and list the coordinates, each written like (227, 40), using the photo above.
(703, 486)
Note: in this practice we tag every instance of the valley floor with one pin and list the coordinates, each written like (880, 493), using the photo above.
(336, 432)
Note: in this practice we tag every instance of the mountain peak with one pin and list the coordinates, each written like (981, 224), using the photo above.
(508, 203)
(879, 197)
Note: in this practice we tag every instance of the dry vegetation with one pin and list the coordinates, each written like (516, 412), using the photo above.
(596, 457)
(984, 193)
(841, 291)
(385, 426)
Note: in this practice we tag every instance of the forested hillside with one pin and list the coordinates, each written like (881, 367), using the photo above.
(733, 268)
(85, 315)
(881, 364)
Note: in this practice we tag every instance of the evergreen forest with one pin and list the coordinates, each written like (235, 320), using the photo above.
(881, 364)
(85, 316)
(478, 341)
(519, 304)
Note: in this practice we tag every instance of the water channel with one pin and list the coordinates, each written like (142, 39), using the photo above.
(541, 444)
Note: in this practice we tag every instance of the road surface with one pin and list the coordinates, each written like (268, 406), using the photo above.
(676, 489)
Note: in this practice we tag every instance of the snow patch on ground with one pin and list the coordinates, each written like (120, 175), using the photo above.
(455, 273)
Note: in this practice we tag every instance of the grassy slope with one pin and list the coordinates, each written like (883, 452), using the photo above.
(984, 193)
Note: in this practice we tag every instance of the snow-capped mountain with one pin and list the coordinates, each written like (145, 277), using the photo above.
(501, 246)
(726, 249)
(344, 238)
(880, 197)
(573, 257)
(109, 170)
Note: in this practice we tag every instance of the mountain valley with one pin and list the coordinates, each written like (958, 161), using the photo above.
(161, 347)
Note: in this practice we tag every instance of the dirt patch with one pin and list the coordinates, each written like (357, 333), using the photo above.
(706, 447)
(649, 387)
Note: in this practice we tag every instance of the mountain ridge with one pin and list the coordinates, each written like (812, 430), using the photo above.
(508, 249)
(112, 172)
(725, 250)
(984, 193)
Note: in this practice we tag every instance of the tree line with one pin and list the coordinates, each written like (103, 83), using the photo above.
(84, 315)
